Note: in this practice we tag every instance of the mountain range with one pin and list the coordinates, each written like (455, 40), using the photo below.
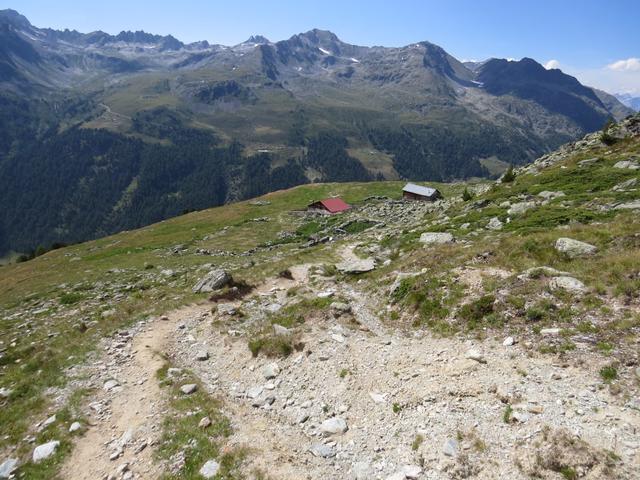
(629, 100)
(103, 132)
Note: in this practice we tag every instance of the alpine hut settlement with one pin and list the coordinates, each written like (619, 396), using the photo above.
(416, 192)
(330, 206)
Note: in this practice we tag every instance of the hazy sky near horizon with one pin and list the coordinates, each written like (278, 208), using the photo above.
(597, 41)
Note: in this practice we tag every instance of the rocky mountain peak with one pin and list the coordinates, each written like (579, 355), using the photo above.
(257, 39)
(14, 18)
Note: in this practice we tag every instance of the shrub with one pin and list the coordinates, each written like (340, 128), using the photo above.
(417, 441)
(466, 195)
(609, 373)
(70, 298)
(477, 310)
(509, 176)
(273, 345)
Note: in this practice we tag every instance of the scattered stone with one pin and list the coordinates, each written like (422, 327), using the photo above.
(548, 195)
(569, 284)
(280, 330)
(626, 164)
(334, 425)
(189, 388)
(356, 265)
(450, 448)
(110, 385)
(550, 331)
(519, 416)
(44, 451)
(627, 184)
(202, 355)
(209, 469)
(7, 467)
(205, 422)
(213, 280)
(475, 355)
(574, 248)
(520, 207)
(377, 397)
(637, 372)
(271, 370)
(495, 224)
(412, 472)
(340, 307)
(634, 205)
(49, 421)
(75, 426)
(536, 272)
(322, 450)
(254, 392)
(508, 342)
(433, 238)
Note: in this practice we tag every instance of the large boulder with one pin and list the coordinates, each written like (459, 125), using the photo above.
(627, 164)
(44, 451)
(357, 265)
(569, 284)
(520, 208)
(574, 248)
(209, 469)
(7, 467)
(213, 280)
(434, 238)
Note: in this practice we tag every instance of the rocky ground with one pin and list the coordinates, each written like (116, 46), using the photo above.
(360, 400)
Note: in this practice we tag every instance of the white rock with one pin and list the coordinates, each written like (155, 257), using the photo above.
(110, 385)
(189, 388)
(431, 238)
(569, 284)
(44, 451)
(495, 224)
(271, 370)
(335, 425)
(209, 469)
(508, 342)
(75, 426)
(635, 205)
(450, 448)
(202, 355)
(520, 207)
(7, 467)
(356, 265)
(550, 331)
(412, 472)
(574, 248)
(548, 195)
(254, 392)
(280, 330)
(377, 397)
(204, 422)
(322, 450)
(4, 392)
(627, 164)
(49, 421)
(475, 355)
(213, 280)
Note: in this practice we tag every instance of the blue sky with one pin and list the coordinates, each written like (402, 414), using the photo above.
(597, 41)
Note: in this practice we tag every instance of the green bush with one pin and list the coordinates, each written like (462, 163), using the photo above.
(509, 176)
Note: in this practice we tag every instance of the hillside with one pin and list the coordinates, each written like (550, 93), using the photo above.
(492, 334)
(109, 132)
